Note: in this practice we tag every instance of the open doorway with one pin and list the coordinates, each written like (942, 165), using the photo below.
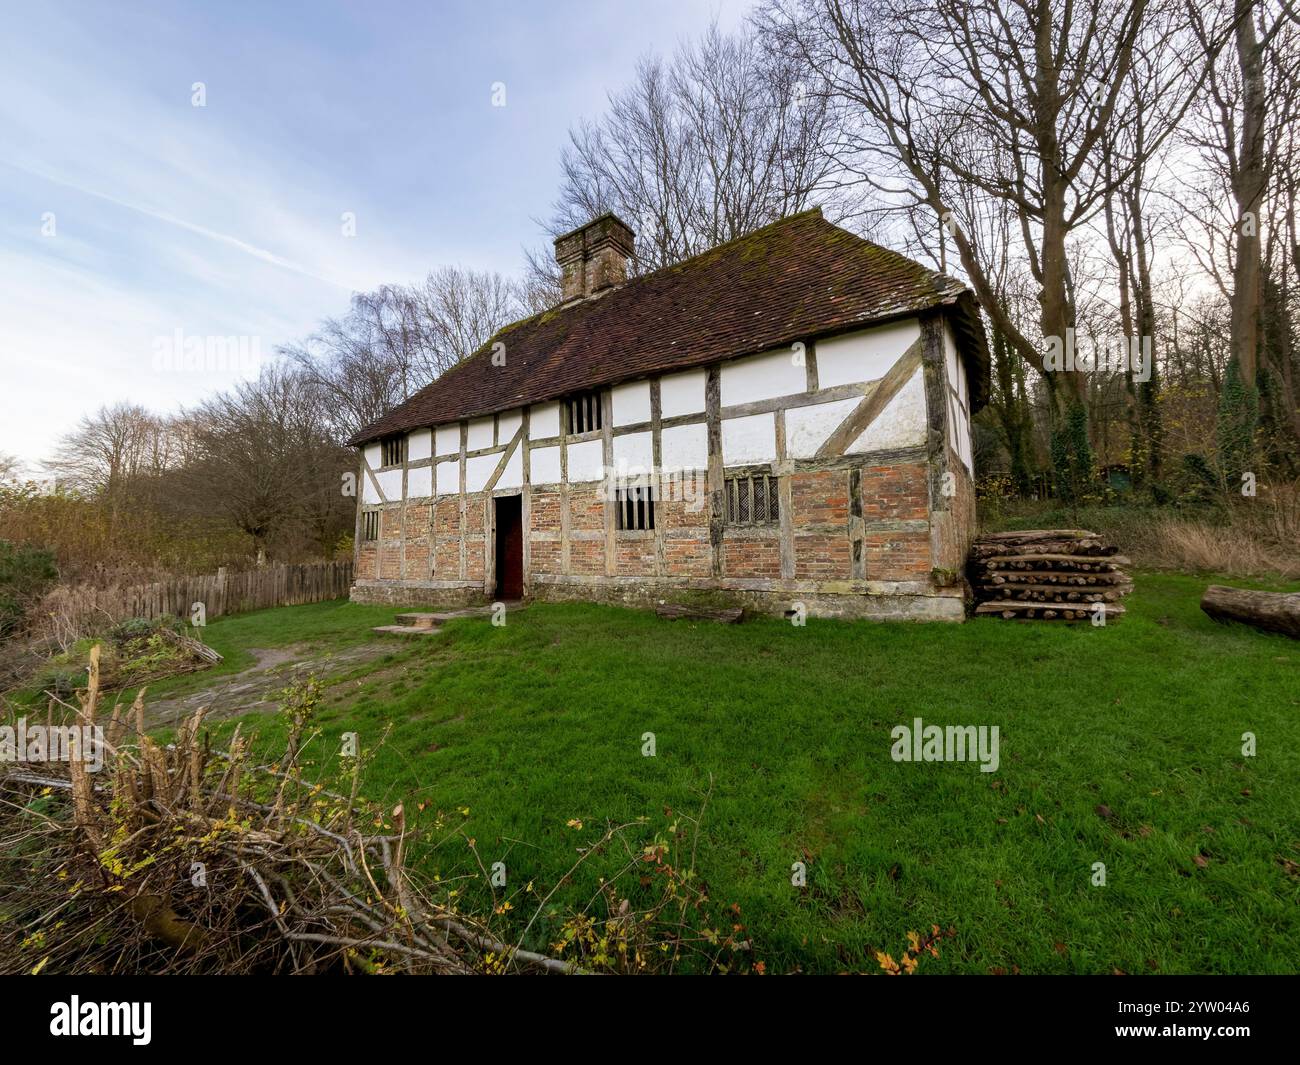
(509, 547)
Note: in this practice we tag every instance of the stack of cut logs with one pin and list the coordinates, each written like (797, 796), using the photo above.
(1048, 575)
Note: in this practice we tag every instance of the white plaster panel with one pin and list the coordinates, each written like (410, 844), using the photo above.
(478, 470)
(543, 464)
(631, 403)
(544, 421)
(960, 431)
(807, 428)
(901, 423)
(390, 484)
(865, 356)
(762, 377)
(373, 456)
(586, 461)
(513, 475)
(749, 439)
(419, 482)
(448, 439)
(508, 424)
(965, 447)
(634, 453)
(369, 494)
(684, 447)
(448, 474)
(480, 434)
(681, 393)
(419, 445)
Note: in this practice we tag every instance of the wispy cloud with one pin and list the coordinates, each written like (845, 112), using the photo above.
(244, 246)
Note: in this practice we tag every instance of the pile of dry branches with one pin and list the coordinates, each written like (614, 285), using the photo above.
(180, 859)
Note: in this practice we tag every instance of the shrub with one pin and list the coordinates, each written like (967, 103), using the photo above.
(134, 652)
(142, 628)
(61, 680)
(1072, 458)
(131, 629)
(1237, 425)
(26, 572)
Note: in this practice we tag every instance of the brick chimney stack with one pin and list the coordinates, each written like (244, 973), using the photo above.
(594, 256)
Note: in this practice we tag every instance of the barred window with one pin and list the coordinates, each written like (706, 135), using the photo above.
(393, 451)
(370, 525)
(635, 508)
(584, 413)
(752, 500)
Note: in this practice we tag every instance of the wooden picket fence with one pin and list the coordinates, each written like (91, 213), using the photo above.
(84, 609)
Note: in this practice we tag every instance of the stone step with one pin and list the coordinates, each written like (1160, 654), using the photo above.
(426, 622)
(405, 630)
(424, 619)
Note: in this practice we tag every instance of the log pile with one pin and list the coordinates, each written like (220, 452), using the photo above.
(1048, 575)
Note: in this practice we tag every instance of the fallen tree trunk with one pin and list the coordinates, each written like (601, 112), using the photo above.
(1270, 611)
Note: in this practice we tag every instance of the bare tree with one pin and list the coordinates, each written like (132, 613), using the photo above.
(10, 468)
(264, 459)
(1245, 133)
(395, 340)
(963, 100)
(541, 287)
(114, 448)
(456, 311)
(700, 149)
(1142, 206)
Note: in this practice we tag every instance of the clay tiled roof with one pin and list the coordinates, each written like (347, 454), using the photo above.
(796, 279)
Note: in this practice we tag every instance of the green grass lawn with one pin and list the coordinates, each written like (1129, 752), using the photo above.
(541, 721)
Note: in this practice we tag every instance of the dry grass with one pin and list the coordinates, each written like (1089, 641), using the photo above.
(1233, 550)
(1245, 538)
(1259, 538)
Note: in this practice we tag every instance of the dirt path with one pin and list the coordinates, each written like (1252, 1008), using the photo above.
(257, 688)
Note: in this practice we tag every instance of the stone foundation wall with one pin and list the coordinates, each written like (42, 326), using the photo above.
(417, 593)
(880, 603)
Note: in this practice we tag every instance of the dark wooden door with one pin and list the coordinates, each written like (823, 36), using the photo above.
(510, 547)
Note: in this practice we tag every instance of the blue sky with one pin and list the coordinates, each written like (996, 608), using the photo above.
(127, 213)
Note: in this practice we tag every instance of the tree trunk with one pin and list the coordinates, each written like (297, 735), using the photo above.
(1270, 611)
(1248, 190)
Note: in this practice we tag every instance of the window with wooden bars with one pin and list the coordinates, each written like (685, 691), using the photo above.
(393, 451)
(584, 413)
(752, 500)
(370, 525)
(635, 508)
